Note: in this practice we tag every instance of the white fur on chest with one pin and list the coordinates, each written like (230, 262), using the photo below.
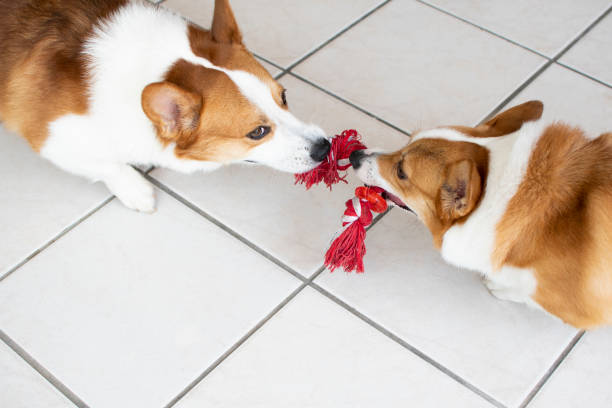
(471, 244)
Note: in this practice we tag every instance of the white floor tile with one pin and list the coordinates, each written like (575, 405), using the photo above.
(128, 308)
(265, 206)
(37, 200)
(417, 67)
(22, 387)
(316, 354)
(501, 347)
(593, 53)
(281, 31)
(571, 98)
(541, 25)
(584, 377)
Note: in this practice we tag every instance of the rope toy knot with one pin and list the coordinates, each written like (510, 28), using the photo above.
(348, 245)
(337, 160)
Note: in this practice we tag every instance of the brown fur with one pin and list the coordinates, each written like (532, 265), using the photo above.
(564, 206)
(558, 224)
(43, 76)
(42, 71)
(213, 95)
(435, 168)
(216, 98)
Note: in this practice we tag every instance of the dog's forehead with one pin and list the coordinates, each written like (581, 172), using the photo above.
(430, 150)
(240, 59)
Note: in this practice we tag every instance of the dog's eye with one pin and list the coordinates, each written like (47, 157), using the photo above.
(259, 132)
(400, 172)
(284, 97)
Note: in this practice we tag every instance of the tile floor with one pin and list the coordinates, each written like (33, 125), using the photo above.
(213, 303)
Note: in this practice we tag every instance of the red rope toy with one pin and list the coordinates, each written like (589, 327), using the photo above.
(348, 247)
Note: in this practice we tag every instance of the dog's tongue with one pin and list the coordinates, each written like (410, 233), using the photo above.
(395, 200)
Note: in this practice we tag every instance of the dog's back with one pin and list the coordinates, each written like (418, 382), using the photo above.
(42, 67)
(559, 224)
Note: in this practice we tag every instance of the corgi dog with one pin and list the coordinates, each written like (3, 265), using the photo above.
(98, 85)
(525, 202)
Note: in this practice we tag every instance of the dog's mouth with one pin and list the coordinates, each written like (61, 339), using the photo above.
(395, 200)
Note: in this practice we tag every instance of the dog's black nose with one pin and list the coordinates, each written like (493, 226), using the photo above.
(318, 151)
(356, 157)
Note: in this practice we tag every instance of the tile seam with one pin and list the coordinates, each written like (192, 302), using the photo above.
(403, 343)
(42, 371)
(224, 227)
(552, 369)
(546, 65)
(56, 237)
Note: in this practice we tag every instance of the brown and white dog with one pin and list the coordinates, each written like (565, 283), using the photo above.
(528, 204)
(96, 85)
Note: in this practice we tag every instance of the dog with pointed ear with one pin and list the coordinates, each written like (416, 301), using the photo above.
(523, 201)
(228, 108)
(442, 173)
(145, 87)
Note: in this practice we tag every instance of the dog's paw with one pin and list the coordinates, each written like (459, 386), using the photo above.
(503, 292)
(133, 190)
(140, 199)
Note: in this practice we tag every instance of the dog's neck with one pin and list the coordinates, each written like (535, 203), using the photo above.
(471, 243)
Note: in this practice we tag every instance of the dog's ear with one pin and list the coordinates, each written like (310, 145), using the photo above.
(506, 122)
(173, 110)
(224, 27)
(460, 190)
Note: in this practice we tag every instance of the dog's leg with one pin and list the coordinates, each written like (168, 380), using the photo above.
(513, 284)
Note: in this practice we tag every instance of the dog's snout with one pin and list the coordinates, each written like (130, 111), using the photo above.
(319, 150)
(356, 157)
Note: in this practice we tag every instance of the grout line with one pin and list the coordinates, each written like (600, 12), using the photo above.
(338, 34)
(473, 24)
(317, 272)
(224, 227)
(261, 323)
(547, 64)
(281, 305)
(351, 104)
(592, 78)
(582, 33)
(516, 91)
(63, 232)
(552, 369)
(407, 346)
(234, 347)
(281, 74)
(42, 371)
